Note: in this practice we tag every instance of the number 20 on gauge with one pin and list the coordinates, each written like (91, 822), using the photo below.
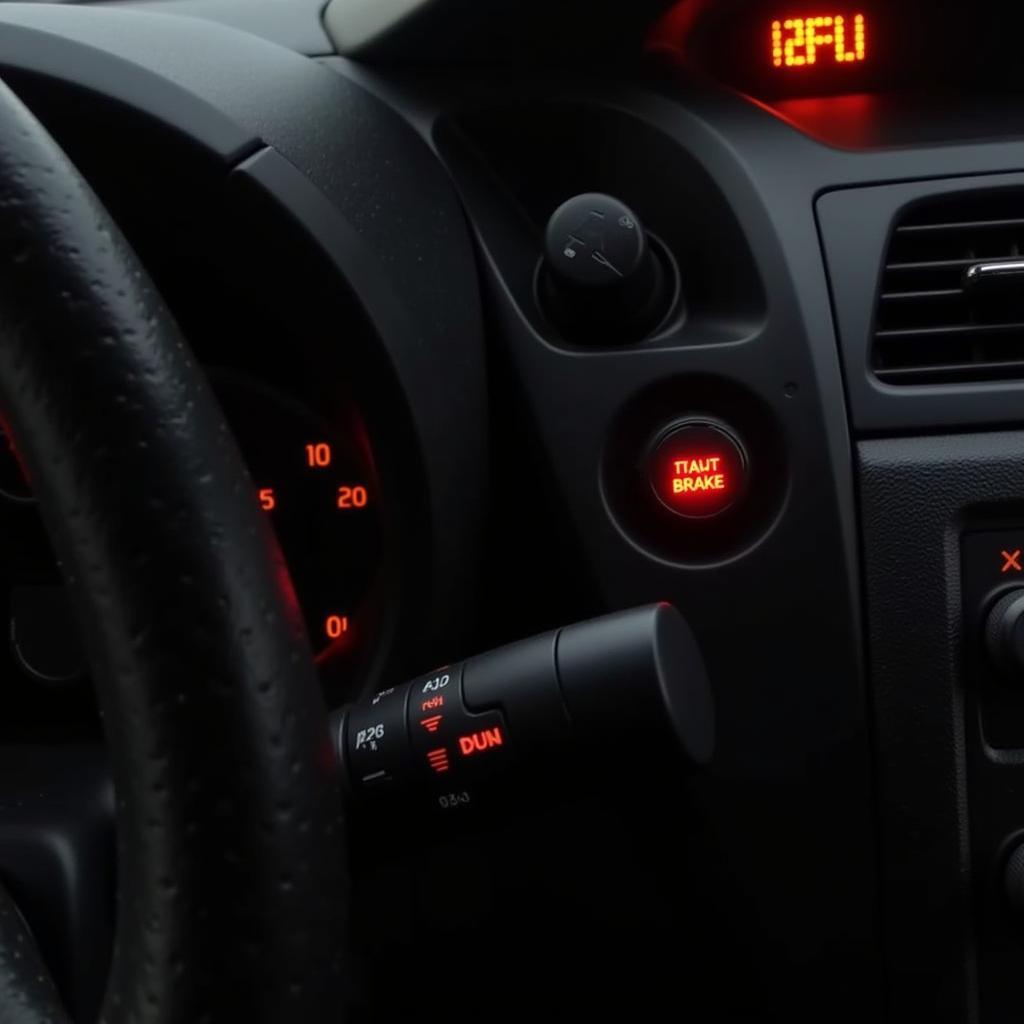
(352, 497)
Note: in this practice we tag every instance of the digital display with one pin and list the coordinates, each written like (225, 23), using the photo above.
(856, 73)
(833, 39)
(793, 49)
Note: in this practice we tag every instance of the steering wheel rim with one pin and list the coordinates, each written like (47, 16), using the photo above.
(231, 855)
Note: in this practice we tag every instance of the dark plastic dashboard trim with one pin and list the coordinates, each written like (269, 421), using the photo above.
(918, 496)
(571, 402)
(297, 24)
(50, 54)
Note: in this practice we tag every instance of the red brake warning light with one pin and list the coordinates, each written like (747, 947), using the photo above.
(698, 469)
(696, 474)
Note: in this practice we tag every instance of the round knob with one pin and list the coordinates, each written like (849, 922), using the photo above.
(601, 282)
(1004, 632)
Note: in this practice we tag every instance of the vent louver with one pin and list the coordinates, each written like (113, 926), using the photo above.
(931, 325)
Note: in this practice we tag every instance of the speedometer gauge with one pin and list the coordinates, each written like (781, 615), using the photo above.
(314, 479)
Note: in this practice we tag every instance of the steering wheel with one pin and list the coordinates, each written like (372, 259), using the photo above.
(231, 853)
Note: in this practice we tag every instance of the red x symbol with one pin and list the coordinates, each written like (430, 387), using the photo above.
(1011, 561)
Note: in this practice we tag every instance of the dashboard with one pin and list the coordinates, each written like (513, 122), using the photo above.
(796, 415)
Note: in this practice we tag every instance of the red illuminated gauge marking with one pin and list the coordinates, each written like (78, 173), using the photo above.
(352, 497)
(431, 724)
(1011, 561)
(796, 42)
(318, 455)
(433, 703)
(438, 760)
(298, 460)
(698, 469)
(336, 626)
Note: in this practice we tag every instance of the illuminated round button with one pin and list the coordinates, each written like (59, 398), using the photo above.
(698, 469)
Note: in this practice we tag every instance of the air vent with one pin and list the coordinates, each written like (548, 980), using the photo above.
(932, 325)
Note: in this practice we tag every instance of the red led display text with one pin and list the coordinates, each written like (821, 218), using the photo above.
(821, 39)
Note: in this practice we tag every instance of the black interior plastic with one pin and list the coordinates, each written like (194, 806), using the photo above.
(370, 228)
